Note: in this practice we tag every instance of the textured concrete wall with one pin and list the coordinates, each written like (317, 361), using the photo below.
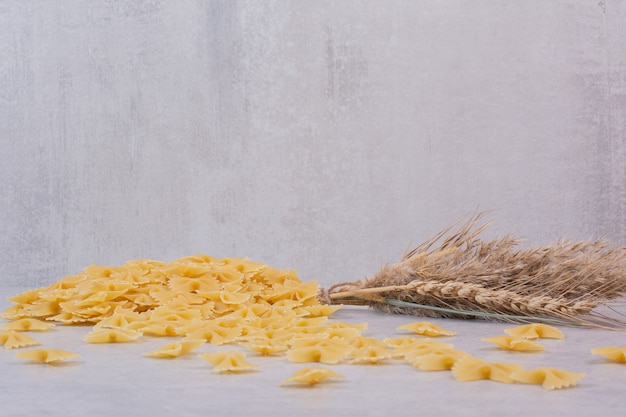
(323, 136)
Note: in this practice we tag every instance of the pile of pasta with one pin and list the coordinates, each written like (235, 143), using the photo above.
(201, 299)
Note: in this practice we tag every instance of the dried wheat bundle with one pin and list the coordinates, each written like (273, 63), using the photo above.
(458, 274)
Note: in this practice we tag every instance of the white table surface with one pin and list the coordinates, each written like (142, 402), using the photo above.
(116, 379)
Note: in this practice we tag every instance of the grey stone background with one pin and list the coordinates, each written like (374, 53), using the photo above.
(321, 136)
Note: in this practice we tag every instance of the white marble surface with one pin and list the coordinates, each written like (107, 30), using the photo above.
(115, 379)
(323, 136)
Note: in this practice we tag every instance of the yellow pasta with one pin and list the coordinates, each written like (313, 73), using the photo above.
(273, 336)
(318, 310)
(266, 347)
(157, 328)
(215, 334)
(436, 359)
(28, 325)
(362, 341)
(176, 349)
(26, 297)
(120, 318)
(47, 356)
(328, 351)
(404, 346)
(311, 376)
(514, 343)
(228, 361)
(371, 354)
(68, 318)
(549, 378)
(473, 369)
(112, 335)
(13, 340)
(535, 331)
(426, 329)
(614, 353)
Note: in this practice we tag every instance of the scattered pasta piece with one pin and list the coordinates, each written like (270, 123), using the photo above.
(328, 351)
(473, 369)
(112, 335)
(614, 353)
(514, 343)
(228, 361)
(156, 328)
(411, 342)
(311, 376)
(426, 329)
(535, 331)
(266, 347)
(549, 378)
(28, 325)
(319, 310)
(14, 340)
(120, 318)
(437, 359)
(215, 334)
(47, 355)
(404, 346)
(176, 349)
(371, 354)
(361, 342)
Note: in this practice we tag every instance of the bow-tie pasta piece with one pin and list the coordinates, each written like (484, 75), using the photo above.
(28, 325)
(514, 343)
(318, 310)
(425, 328)
(328, 351)
(228, 361)
(406, 346)
(120, 318)
(112, 335)
(549, 378)
(371, 354)
(311, 376)
(14, 340)
(362, 341)
(215, 334)
(47, 355)
(535, 331)
(614, 353)
(266, 347)
(159, 328)
(474, 369)
(176, 349)
(437, 359)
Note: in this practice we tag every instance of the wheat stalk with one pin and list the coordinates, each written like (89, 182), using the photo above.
(465, 276)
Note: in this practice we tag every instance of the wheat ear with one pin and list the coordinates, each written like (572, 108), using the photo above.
(465, 276)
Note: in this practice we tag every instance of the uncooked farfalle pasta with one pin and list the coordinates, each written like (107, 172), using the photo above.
(426, 329)
(436, 359)
(28, 325)
(47, 356)
(175, 349)
(474, 369)
(514, 343)
(535, 331)
(14, 340)
(228, 361)
(112, 335)
(614, 353)
(549, 378)
(311, 376)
